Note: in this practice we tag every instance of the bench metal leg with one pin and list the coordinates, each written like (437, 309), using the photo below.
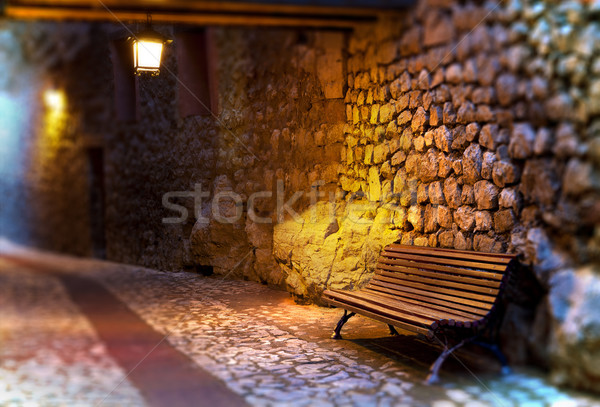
(435, 367)
(340, 324)
(393, 331)
(495, 349)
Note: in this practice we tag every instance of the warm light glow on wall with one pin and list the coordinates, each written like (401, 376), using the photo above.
(55, 116)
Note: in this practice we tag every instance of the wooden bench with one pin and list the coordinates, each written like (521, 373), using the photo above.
(446, 294)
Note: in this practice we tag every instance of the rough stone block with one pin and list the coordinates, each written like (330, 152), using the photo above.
(483, 243)
(504, 220)
(486, 195)
(443, 138)
(419, 143)
(454, 74)
(466, 113)
(404, 117)
(419, 120)
(422, 194)
(468, 195)
(438, 29)
(521, 141)
(543, 141)
(459, 136)
(452, 192)
(398, 158)
(381, 153)
(374, 184)
(539, 182)
(436, 193)
(580, 177)
(435, 116)
(487, 165)
(484, 96)
(483, 221)
(488, 137)
(566, 143)
(445, 165)
(446, 239)
(462, 241)
(387, 52)
(424, 81)
(449, 115)
(431, 221)
(472, 162)
(374, 114)
(428, 168)
(505, 173)
(506, 89)
(415, 217)
(411, 41)
(472, 131)
(511, 198)
(464, 217)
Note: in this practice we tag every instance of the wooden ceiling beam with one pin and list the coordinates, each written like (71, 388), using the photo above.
(293, 7)
(286, 13)
(52, 13)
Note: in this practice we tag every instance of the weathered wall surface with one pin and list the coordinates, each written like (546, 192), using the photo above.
(44, 119)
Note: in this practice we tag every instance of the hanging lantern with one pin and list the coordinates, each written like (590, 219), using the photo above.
(147, 50)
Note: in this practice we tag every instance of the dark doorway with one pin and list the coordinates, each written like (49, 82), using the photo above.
(96, 185)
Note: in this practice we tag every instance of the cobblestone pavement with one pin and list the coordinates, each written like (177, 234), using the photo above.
(263, 346)
(49, 353)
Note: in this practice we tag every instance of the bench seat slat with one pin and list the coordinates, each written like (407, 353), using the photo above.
(484, 275)
(409, 300)
(456, 294)
(445, 261)
(419, 310)
(386, 311)
(376, 316)
(427, 294)
(479, 257)
(437, 282)
(403, 309)
(401, 315)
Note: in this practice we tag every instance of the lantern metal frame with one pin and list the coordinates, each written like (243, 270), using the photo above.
(148, 35)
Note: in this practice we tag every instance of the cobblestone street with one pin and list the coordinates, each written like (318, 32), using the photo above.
(255, 340)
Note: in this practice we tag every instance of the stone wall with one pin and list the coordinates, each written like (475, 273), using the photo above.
(478, 124)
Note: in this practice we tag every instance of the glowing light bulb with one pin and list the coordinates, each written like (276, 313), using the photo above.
(147, 55)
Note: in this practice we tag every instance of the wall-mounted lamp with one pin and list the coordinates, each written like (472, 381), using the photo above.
(147, 50)
(54, 100)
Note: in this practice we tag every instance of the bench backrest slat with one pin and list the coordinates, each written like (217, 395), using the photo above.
(438, 282)
(451, 253)
(407, 293)
(434, 289)
(446, 309)
(442, 276)
(486, 275)
(441, 249)
(429, 294)
(445, 261)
